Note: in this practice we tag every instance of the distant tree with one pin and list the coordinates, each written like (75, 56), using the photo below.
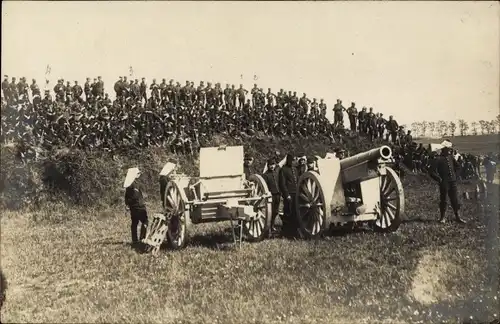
(442, 128)
(415, 127)
(474, 128)
(498, 123)
(483, 126)
(492, 126)
(432, 128)
(461, 126)
(423, 128)
(452, 127)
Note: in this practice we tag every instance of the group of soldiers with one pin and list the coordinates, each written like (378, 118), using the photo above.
(174, 116)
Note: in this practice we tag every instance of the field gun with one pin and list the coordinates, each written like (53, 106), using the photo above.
(220, 193)
(360, 188)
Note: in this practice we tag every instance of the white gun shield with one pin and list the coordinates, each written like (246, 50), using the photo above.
(167, 169)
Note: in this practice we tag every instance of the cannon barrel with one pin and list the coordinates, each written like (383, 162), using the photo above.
(384, 152)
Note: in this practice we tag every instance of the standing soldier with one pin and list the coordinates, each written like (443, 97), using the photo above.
(338, 113)
(35, 90)
(86, 89)
(155, 90)
(288, 187)
(322, 107)
(118, 87)
(380, 125)
(241, 96)
(143, 87)
(135, 203)
(77, 91)
(13, 90)
(362, 116)
(100, 87)
(6, 88)
(392, 129)
(271, 178)
(247, 166)
(445, 173)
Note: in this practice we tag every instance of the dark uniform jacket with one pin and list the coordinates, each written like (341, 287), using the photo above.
(288, 180)
(133, 198)
(272, 181)
(445, 169)
(248, 171)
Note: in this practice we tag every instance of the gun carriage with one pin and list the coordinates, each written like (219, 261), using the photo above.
(220, 193)
(361, 188)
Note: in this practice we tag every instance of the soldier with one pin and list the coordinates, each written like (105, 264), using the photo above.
(6, 88)
(100, 86)
(241, 96)
(118, 87)
(272, 181)
(13, 90)
(490, 167)
(392, 129)
(288, 187)
(311, 164)
(301, 165)
(143, 87)
(135, 203)
(322, 107)
(445, 173)
(35, 90)
(87, 90)
(339, 153)
(77, 91)
(247, 166)
(381, 125)
(338, 114)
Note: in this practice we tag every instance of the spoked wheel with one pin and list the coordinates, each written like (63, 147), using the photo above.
(312, 210)
(179, 221)
(257, 228)
(392, 203)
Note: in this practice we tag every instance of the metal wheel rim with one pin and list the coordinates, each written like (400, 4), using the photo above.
(389, 201)
(256, 226)
(311, 206)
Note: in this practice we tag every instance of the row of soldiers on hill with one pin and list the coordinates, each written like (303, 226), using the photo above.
(174, 116)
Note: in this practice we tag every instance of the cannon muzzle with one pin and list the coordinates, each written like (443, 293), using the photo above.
(383, 152)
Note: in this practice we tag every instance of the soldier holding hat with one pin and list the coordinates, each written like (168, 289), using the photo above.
(445, 173)
(135, 203)
(272, 181)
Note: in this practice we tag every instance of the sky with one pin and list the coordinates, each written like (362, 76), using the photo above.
(414, 60)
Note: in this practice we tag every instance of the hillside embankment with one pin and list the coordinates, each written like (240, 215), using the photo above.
(94, 178)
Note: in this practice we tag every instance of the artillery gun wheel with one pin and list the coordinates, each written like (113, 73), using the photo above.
(392, 203)
(311, 206)
(257, 228)
(179, 221)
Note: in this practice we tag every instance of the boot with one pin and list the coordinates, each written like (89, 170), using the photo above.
(458, 219)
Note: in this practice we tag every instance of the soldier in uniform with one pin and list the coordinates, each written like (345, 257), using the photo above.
(392, 129)
(445, 173)
(135, 203)
(288, 187)
(143, 87)
(35, 90)
(247, 166)
(3, 288)
(272, 181)
(338, 113)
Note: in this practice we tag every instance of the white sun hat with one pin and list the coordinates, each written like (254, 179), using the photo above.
(132, 174)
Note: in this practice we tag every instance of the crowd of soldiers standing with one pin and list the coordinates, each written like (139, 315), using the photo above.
(171, 115)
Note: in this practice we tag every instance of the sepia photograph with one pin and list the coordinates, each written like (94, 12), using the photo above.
(309, 162)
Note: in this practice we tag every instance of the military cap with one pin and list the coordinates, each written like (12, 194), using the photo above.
(339, 150)
(311, 159)
(248, 157)
(271, 161)
(5, 76)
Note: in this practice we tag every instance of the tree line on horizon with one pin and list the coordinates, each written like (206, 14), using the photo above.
(444, 128)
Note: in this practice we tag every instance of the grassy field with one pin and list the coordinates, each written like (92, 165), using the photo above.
(479, 144)
(66, 266)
